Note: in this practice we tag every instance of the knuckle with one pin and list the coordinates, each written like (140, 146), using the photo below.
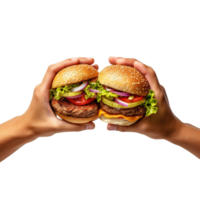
(54, 125)
(161, 96)
(51, 68)
(35, 87)
(37, 94)
(152, 71)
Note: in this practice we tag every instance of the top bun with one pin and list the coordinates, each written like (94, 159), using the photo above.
(74, 74)
(124, 78)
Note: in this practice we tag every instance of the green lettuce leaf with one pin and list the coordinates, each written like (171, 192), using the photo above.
(150, 103)
(97, 86)
(58, 92)
(88, 94)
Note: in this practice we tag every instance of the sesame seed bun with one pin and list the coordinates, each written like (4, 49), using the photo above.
(121, 122)
(76, 120)
(124, 78)
(70, 75)
(74, 74)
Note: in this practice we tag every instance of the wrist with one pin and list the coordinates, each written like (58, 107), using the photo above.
(25, 129)
(176, 135)
(13, 135)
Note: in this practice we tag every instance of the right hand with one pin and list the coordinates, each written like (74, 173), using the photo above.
(164, 123)
(40, 119)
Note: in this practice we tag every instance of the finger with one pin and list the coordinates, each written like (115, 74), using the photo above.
(95, 66)
(165, 93)
(126, 61)
(53, 69)
(88, 61)
(113, 60)
(66, 127)
(150, 75)
(113, 127)
(94, 124)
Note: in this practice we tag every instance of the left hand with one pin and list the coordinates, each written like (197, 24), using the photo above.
(162, 125)
(39, 116)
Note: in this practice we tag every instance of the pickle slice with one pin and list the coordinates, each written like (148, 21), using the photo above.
(116, 105)
(70, 94)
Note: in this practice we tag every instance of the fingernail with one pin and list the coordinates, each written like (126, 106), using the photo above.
(138, 63)
(89, 126)
(112, 127)
(89, 58)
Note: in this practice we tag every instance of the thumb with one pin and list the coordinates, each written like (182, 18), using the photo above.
(150, 75)
(120, 129)
(77, 128)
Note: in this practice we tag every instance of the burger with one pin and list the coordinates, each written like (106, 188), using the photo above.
(126, 96)
(70, 95)
(122, 93)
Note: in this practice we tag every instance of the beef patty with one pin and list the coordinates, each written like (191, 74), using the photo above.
(65, 107)
(138, 110)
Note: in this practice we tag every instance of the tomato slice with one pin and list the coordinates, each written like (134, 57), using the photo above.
(135, 99)
(80, 101)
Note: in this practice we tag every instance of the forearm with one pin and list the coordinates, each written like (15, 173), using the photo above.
(187, 137)
(13, 134)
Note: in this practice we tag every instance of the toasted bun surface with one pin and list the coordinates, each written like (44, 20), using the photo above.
(74, 74)
(121, 122)
(124, 78)
(75, 120)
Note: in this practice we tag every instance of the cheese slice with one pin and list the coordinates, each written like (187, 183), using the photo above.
(131, 119)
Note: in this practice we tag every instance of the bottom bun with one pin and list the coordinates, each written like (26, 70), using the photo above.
(76, 120)
(121, 122)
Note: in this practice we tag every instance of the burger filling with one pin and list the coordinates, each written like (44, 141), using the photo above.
(138, 110)
(77, 100)
(65, 107)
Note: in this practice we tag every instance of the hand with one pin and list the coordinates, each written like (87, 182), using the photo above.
(39, 118)
(161, 125)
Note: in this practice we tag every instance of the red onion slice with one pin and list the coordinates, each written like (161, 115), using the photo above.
(124, 94)
(74, 97)
(120, 102)
(93, 90)
(80, 87)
